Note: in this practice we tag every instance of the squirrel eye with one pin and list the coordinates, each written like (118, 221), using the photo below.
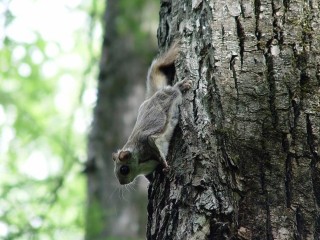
(124, 170)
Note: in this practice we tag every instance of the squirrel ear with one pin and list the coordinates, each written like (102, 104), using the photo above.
(124, 155)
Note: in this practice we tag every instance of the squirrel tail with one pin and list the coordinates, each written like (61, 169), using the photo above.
(162, 68)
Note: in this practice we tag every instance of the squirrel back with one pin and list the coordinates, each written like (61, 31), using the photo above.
(160, 70)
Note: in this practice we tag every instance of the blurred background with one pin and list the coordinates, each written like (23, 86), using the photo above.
(53, 58)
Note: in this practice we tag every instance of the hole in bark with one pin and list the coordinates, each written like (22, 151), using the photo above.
(304, 78)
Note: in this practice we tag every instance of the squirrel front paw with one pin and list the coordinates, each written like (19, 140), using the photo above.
(184, 85)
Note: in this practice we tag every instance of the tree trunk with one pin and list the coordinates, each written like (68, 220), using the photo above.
(245, 161)
(112, 211)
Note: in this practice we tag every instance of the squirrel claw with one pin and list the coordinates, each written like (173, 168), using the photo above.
(166, 169)
(184, 85)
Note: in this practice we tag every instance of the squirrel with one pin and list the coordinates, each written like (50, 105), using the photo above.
(158, 115)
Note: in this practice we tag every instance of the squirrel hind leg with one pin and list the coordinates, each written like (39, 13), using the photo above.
(184, 85)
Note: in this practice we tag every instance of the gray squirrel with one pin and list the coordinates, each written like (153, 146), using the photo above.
(158, 115)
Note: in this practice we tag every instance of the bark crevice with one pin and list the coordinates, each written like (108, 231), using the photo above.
(272, 90)
(315, 159)
(257, 5)
(300, 233)
(241, 37)
(264, 159)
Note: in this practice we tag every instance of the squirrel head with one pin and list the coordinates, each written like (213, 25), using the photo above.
(127, 166)
(124, 166)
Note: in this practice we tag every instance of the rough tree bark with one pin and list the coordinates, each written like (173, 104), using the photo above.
(112, 211)
(245, 156)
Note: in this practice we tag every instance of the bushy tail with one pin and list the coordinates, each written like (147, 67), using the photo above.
(161, 69)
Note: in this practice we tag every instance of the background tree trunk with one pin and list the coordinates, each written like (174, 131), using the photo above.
(245, 155)
(113, 211)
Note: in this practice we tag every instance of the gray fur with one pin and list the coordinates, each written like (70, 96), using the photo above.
(157, 118)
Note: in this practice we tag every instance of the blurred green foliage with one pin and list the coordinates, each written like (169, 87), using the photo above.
(49, 54)
(47, 91)
(138, 19)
